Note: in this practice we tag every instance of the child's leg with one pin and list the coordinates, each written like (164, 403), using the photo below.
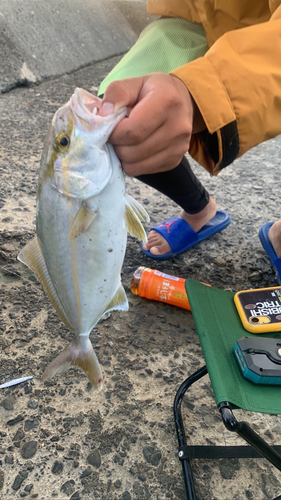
(181, 185)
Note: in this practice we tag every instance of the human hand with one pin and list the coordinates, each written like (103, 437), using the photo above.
(157, 132)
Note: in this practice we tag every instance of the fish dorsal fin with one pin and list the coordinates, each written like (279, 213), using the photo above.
(135, 213)
(31, 255)
(119, 301)
(82, 221)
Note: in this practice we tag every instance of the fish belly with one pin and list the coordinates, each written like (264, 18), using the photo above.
(85, 271)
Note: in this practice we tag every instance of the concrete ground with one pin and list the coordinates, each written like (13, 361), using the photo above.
(63, 440)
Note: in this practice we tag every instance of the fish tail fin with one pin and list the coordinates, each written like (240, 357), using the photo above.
(73, 355)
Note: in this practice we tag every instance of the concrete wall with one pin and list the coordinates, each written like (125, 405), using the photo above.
(46, 38)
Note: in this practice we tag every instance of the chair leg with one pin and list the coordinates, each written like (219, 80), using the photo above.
(241, 428)
(247, 433)
(186, 467)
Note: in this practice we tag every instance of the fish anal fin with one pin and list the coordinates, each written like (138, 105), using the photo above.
(135, 213)
(119, 301)
(31, 255)
(82, 221)
(72, 355)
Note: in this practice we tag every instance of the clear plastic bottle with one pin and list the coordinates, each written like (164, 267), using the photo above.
(154, 285)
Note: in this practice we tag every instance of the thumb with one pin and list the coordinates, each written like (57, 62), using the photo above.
(120, 94)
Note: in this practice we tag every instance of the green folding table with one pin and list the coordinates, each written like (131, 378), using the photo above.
(219, 327)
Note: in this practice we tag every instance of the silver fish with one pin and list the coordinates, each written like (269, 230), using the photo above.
(82, 218)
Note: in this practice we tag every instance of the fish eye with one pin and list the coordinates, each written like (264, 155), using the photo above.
(62, 141)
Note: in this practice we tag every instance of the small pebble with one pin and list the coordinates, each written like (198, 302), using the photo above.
(8, 403)
(29, 449)
(68, 487)
(94, 459)
(57, 467)
(19, 480)
(33, 404)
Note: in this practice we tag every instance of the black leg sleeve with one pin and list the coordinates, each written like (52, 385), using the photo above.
(180, 185)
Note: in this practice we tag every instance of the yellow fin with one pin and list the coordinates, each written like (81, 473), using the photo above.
(73, 355)
(31, 255)
(135, 213)
(81, 222)
(119, 301)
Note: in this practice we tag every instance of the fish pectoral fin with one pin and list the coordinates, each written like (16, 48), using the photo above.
(137, 208)
(73, 356)
(119, 301)
(82, 221)
(31, 255)
(135, 213)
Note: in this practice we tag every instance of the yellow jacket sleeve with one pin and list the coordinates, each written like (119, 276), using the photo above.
(237, 88)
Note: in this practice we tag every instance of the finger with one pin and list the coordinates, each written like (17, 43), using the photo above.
(161, 97)
(167, 159)
(120, 94)
(147, 117)
(176, 138)
(141, 150)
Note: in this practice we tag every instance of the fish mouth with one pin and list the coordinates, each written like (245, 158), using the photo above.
(89, 103)
(85, 107)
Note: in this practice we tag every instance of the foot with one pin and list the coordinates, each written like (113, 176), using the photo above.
(157, 245)
(275, 237)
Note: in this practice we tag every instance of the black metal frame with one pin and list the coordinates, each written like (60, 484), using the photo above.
(259, 447)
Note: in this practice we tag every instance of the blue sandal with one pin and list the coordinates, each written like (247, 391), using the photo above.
(264, 238)
(181, 236)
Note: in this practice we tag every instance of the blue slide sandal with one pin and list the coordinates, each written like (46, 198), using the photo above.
(276, 261)
(181, 236)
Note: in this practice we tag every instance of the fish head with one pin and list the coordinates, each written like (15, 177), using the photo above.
(75, 155)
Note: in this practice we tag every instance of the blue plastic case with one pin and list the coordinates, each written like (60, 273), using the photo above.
(259, 359)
